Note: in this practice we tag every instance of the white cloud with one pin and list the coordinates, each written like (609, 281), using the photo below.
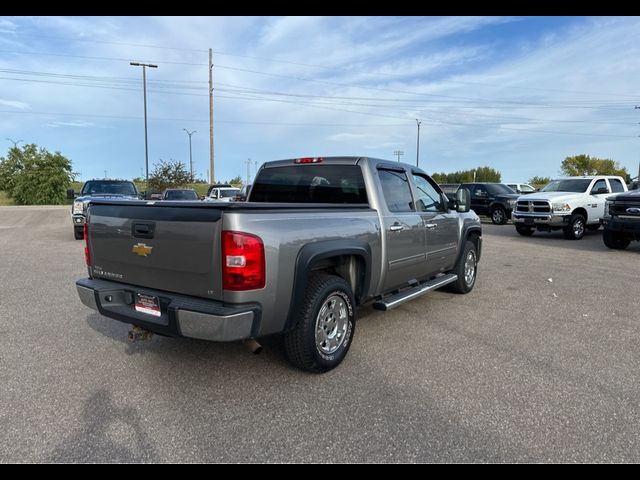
(14, 104)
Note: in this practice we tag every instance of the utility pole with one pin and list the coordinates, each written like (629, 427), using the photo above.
(248, 170)
(638, 178)
(398, 153)
(190, 157)
(211, 153)
(144, 89)
(15, 144)
(418, 122)
(105, 174)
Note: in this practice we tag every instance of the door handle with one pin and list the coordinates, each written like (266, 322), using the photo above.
(396, 227)
(431, 225)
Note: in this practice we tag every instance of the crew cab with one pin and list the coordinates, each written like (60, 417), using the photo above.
(572, 204)
(92, 189)
(317, 238)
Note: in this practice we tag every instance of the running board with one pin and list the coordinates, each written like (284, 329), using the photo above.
(399, 298)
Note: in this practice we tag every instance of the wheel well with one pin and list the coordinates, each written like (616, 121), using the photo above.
(581, 211)
(474, 237)
(351, 268)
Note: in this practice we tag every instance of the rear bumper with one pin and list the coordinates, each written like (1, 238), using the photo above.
(181, 315)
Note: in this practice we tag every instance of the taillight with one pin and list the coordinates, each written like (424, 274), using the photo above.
(87, 257)
(308, 160)
(243, 266)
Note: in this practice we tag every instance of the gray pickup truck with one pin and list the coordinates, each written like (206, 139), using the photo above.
(317, 238)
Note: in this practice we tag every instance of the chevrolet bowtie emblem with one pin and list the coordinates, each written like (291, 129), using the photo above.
(141, 249)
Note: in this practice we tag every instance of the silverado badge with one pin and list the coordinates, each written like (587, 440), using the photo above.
(141, 249)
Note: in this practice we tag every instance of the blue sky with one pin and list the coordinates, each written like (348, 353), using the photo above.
(518, 94)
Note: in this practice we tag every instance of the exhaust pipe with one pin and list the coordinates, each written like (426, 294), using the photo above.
(253, 346)
(138, 333)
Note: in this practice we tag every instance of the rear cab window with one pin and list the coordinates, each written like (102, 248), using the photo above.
(310, 184)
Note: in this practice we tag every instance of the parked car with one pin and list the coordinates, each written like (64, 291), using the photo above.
(317, 238)
(242, 195)
(101, 188)
(572, 205)
(221, 193)
(495, 200)
(180, 194)
(621, 220)
(521, 188)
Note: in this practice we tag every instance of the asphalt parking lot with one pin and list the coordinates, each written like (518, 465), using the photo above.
(540, 363)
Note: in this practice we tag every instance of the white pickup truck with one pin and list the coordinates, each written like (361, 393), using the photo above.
(572, 204)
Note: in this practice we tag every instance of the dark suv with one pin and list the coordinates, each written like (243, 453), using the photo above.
(495, 200)
(621, 220)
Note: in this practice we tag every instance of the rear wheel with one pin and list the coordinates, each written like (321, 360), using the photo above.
(466, 269)
(576, 228)
(322, 335)
(524, 231)
(499, 216)
(615, 240)
(78, 233)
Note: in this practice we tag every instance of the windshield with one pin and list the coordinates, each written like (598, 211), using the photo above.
(498, 188)
(107, 187)
(181, 195)
(577, 185)
(229, 193)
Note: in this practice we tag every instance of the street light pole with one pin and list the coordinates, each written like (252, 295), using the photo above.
(190, 158)
(144, 89)
(418, 122)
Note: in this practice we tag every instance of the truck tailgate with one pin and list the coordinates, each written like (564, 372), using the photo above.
(163, 246)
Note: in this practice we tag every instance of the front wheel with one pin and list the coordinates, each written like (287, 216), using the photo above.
(324, 329)
(615, 240)
(576, 228)
(499, 216)
(466, 269)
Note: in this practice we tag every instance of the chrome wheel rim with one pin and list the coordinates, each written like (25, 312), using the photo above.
(578, 227)
(498, 216)
(331, 324)
(470, 268)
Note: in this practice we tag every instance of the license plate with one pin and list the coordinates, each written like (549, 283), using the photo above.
(147, 304)
(528, 221)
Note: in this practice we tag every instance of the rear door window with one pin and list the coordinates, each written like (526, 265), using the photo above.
(396, 190)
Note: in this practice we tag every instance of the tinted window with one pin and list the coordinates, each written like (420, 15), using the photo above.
(109, 188)
(578, 185)
(498, 188)
(228, 193)
(429, 199)
(480, 192)
(310, 184)
(181, 195)
(600, 184)
(616, 185)
(396, 191)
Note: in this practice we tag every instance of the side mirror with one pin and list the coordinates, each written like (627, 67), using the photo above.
(71, 194)
(463, 205)
(599, 191)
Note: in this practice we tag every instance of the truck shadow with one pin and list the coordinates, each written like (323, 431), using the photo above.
(108, 433)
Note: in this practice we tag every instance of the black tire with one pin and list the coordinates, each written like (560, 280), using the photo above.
(524, 231)
(462, 285)
(78, 233)
(615, 240)
(304, 345)
(576, 228)
(499, 216)
(593, 228)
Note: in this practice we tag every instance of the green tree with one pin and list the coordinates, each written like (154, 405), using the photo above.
(539, 181)
(236, 181)
(35, 176)
(482, 174)
(168, 174)
(578, 165)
